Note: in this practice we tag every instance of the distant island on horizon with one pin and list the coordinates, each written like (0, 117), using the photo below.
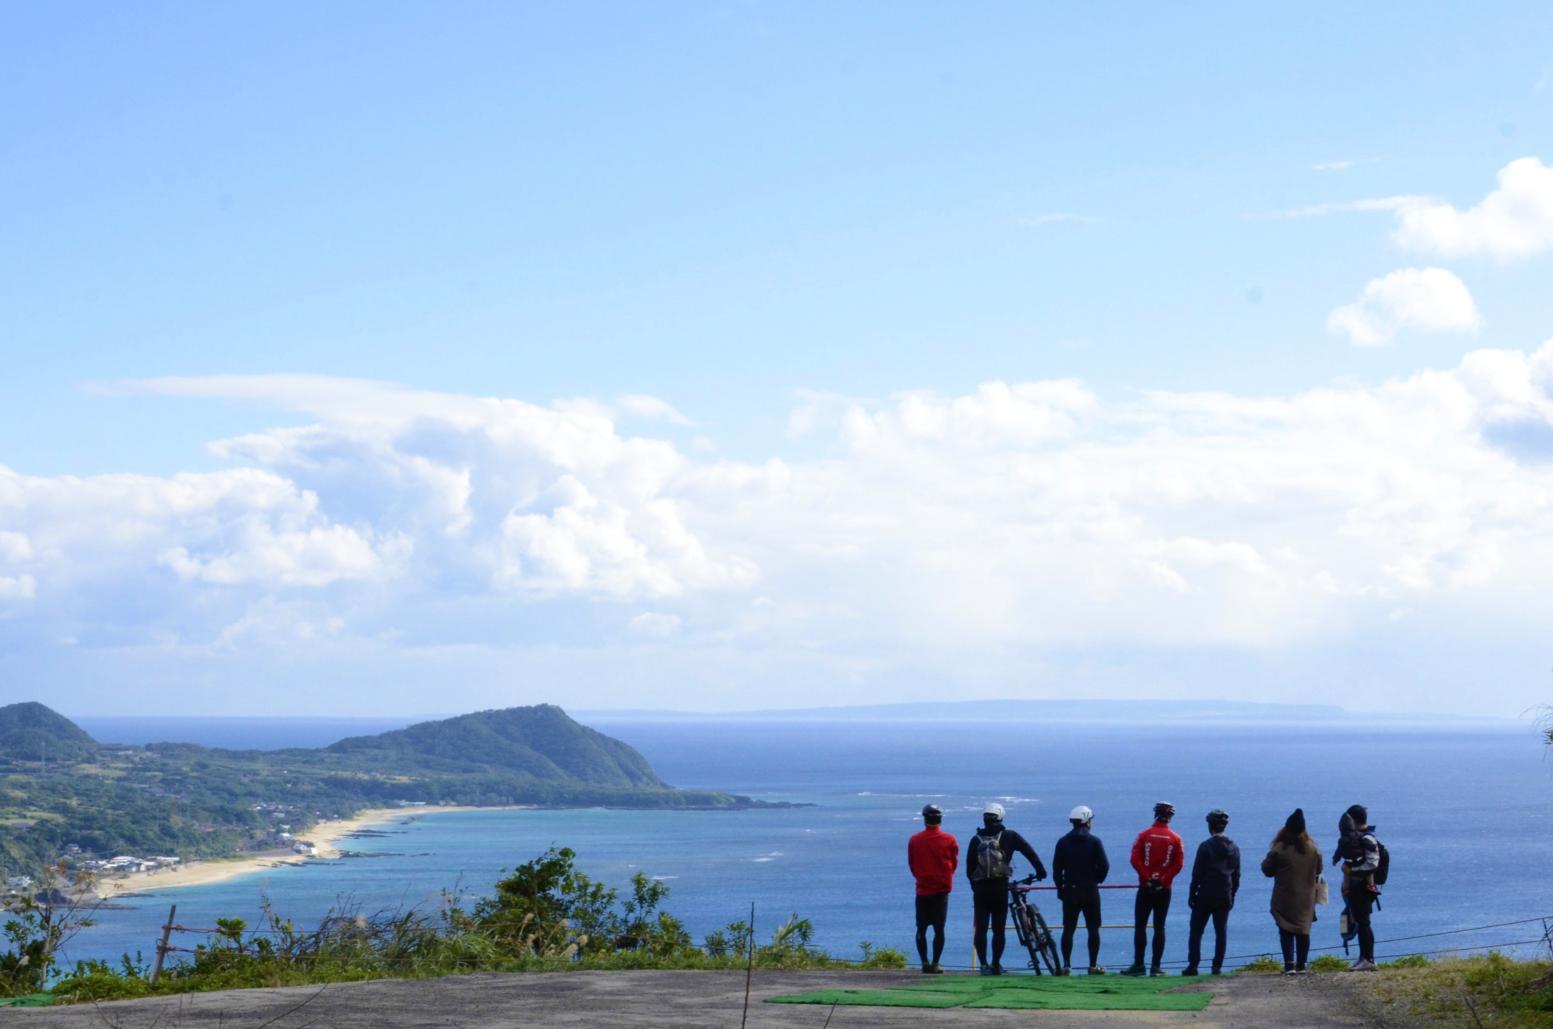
(65, 797)
(1076, 710)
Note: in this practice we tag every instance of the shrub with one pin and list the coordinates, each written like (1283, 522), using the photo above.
(1328, 963)
(881, 957)
(545, 916)
(1264, 965)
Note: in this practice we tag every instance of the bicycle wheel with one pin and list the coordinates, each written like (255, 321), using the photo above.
(1042, 943)
(1024, 928)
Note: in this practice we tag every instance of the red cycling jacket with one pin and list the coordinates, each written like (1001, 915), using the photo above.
(1157, 854)
(933, 856)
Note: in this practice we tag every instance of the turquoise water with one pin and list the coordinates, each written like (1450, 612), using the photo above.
(1465, 814)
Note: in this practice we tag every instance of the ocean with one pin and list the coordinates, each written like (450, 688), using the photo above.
(1465, 812)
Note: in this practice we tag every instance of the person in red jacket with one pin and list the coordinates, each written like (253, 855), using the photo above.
(933, 856)
(1157, 856)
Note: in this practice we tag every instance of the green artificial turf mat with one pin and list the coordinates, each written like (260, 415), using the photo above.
(1084, 993)
(32, 1000)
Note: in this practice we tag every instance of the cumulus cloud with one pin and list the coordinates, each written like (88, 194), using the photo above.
(1001, 525)
(1426, 299)
(1514, 221)
(504, 494)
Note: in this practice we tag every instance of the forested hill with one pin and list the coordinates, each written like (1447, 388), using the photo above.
(33, 731)
(540, 741)
(63, 792)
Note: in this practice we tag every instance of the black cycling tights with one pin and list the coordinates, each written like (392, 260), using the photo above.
(1081, 901)
(991, 897)
(1150, 902)
(932, 912)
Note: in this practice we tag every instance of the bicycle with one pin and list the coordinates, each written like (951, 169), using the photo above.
(1031, 927)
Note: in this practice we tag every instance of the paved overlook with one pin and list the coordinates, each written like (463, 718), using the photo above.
(683, 1000)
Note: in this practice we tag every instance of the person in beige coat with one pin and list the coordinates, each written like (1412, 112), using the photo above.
(1294, 866)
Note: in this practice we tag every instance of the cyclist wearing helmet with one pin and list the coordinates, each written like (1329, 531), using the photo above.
(1215, 881)
(987, 866)
(933, 856)
(1079, 866)
(1157, 857)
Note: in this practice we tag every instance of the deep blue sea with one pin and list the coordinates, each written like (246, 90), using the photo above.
(1466, 812)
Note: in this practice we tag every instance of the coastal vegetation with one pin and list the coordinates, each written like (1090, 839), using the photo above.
(545, 916)
(64, 796)
(1491, 990)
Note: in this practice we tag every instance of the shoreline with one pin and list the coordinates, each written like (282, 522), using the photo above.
(327, 836)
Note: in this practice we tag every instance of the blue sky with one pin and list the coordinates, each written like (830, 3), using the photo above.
(841, 354)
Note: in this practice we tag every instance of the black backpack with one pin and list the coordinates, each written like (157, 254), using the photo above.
(1383, 869)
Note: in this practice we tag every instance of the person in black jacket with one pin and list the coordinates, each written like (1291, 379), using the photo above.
(1079, 866)
(1215, 881)
(987, 867)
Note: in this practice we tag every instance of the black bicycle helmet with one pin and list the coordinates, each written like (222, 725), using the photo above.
(932, 814)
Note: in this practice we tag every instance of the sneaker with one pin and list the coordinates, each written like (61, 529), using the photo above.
(1189, 970)
(1217, 971)
(1288, 969)
(932, 970)
(1362, 965)
(1300, 970)
(1133, 969)
(1066, 970)
(1156, 970)
(984, 969)
(997, 969)
(1097, 970)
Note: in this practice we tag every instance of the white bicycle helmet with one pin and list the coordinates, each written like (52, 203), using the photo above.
(1081, 814)
(994, 809)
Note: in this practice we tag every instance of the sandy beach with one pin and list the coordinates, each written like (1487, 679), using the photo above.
(328, 837)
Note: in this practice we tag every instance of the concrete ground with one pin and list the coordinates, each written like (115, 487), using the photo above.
(675, 1000)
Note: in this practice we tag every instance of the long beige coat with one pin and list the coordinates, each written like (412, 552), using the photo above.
(1294, 878)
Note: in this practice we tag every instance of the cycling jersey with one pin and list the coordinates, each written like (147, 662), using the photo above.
(1157, 854)
(933, 855)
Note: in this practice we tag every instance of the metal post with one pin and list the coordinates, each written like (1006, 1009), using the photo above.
(749, 970)
(161, 947)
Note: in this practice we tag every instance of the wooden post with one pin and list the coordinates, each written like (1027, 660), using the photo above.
(161, 947)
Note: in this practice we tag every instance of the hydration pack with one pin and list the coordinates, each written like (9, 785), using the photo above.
(991, 863)
(1383, 868)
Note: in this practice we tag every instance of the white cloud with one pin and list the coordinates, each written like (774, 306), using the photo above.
(1345, 206)
(1426, 299)
(991, 535)
(1514, 221)
(17, 587)
(15, 546)
(1343, 165)
(515, 496)
(642, 405)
